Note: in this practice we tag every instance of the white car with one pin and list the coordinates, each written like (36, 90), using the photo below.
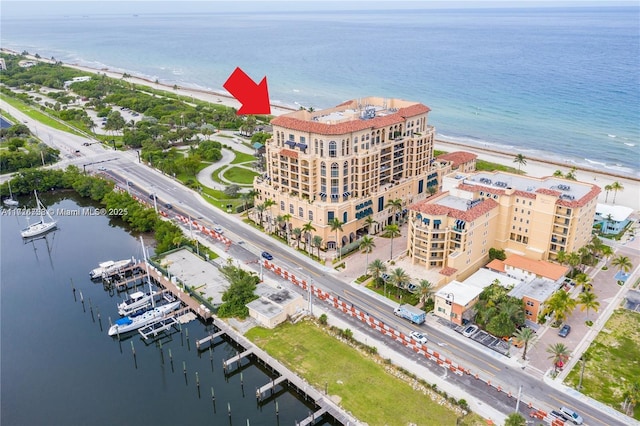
(419, 337)
(469, 331)
(218, 229)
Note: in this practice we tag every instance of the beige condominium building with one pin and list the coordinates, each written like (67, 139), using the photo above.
(453, 231)
(346, 163)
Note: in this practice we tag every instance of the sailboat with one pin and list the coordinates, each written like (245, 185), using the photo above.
(134, 322)
(40, 227)
(10, 202)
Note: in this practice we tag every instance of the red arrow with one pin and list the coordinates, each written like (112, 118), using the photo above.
(253, 97)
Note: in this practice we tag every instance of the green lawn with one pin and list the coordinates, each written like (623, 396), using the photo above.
(33, 112)
(613, 361)
(240, 175)
(241, 157)
(364, 386)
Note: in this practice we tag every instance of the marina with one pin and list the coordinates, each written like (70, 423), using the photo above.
(166, 368)
(41, 227)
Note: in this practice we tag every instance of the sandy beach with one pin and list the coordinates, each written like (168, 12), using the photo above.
(535, 167)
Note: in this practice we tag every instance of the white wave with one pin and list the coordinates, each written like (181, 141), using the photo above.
(629, 144)
(296, 91)
(600, 163)
(611, 136)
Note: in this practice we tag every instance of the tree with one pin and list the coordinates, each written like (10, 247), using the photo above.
(370, 221)
(526, 336)
(521, 160)
(559, 354)
(558, 173)
(336, 225)
(247, 197)
(515, 419)
(317, 242)
(232, 190)
(631, 397)
(260, 208)
(376, 269)
(587, 301)
(426, 290)
(268, 203)
(306, 229)
(607, 189)
(616, 186)
(391, 231)
(584, 281)
(573, 259)
(366, 246)
(623, 263)
(297, 232)
(495, 253)
(286, 218)
(399, 278)
(561, 304)
(561, 257)
(571, 174)
(396, 207)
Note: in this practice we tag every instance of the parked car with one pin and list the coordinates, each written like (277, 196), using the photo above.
(469, 331)
(419, 337)
(571, 415)
(564, 331)
(267, 255)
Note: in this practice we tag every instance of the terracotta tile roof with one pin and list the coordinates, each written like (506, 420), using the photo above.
(457, 158)
(431, 208)
(542, 268)
(547, 191)
(476, 188)
(524, 194)
(351, 125)
(289, 153)
(448, 271)
(496, 265)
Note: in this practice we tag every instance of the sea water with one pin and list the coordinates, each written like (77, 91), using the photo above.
(546, 82)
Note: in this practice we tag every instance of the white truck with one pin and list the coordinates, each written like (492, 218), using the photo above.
(411, 313)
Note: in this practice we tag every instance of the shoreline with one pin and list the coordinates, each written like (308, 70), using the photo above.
(535, 167)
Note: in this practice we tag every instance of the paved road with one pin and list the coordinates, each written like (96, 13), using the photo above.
(123, 166)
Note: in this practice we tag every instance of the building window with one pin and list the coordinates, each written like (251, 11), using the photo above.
(290, 208)
(334, 170)
(300, 212)
(529, 303)
(332, 149)
(282, 205)
(323, 169)
(303, 139)
(310, 215)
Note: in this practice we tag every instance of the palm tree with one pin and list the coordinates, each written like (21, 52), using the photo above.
(526, 336)
(366, 246)
(376, 269)
(631, 397)
(426, 290)
(623, 263)
(268, 203)
(561, 257)
(558, 173)
(607, 189)
(396, 207)
(573, 259)
(286, 218)
(391, 231)
(317, 242)
(606, 252)
(561, 304)
(588, 300)
(559, 354)
(248, 197)
(370, 221)
(571, 174)
(279, 222)
(521, 160)
(260, 208)
(615, 187)
(399, 278)
(583, 280)
(336, 225)
(297, 232)
(306, 229)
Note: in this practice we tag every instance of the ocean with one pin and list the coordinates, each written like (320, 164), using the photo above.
(552, 82)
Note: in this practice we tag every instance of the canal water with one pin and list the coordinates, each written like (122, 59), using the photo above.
(59, 367)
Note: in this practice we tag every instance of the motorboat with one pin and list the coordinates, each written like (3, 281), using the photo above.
(109, 267)
(41, 227)
(136, 302)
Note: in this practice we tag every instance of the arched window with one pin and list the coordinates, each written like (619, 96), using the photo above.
(300, 212)
(323, 169)
(345, 169)
(282, 205)
(311, 215)
(332, 149)
(334, 170)
(321, 148)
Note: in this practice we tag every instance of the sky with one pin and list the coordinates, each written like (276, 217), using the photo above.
(21, 8)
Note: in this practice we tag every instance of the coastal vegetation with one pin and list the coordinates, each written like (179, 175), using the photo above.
(605, 371)
(393, 396)
(19, 150)
(242, 285)
(497, 312)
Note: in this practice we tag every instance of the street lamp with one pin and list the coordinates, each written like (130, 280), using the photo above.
(450, 300)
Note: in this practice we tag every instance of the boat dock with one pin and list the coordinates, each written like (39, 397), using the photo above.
(209, 339)
(269, 387)
(157, 327)
(227, 363)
